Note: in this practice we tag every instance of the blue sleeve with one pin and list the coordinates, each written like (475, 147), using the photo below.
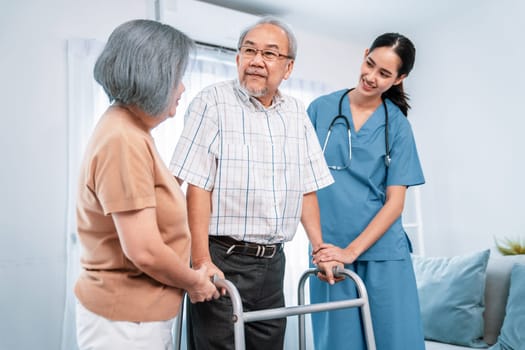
(312, 113)
(405, 167)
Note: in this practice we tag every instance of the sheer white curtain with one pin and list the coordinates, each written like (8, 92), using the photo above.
(87, 101)
(208, 66)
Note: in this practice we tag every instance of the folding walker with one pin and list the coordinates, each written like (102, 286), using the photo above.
(239, 317)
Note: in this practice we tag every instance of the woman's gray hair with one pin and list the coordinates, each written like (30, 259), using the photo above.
(142, 63)
(292, 41)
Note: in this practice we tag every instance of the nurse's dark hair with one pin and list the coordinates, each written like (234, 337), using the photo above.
(142, 63)
(406, 51)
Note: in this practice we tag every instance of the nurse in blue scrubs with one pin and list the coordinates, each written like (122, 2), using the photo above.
(361, 212)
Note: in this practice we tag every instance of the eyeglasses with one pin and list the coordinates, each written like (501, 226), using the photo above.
(267, 54)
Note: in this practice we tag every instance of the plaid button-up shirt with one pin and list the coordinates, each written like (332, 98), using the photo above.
(258, 162)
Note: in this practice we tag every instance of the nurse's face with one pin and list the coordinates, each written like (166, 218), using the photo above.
(379, 71)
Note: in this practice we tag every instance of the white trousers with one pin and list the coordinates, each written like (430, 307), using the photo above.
(95, 332)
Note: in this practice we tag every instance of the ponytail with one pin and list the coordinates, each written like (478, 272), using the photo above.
(397, 95)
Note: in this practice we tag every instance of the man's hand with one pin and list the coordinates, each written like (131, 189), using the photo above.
(327, 271)
(210, 267)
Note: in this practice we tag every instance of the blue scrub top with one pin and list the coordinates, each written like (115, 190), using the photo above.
(359, 191)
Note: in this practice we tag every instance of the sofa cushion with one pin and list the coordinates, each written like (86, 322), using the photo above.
(496, 292)
(451, 293)
(512, 336)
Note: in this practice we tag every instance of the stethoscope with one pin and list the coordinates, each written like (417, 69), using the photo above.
(340, 115)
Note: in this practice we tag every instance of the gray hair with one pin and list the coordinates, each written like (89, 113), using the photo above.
(292, 41)
(142, 63)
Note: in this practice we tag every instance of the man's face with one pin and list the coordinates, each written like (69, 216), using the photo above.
(261, 77)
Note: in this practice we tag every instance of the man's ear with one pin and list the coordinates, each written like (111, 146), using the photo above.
(289, 69)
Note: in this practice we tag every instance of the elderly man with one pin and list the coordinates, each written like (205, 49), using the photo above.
(253, 165)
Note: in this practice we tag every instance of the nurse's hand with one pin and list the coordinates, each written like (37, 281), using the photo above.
(329, 252)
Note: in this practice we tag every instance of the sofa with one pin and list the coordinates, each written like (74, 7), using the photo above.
(465, 301)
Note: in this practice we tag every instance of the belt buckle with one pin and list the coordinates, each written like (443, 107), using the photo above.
(261, 249)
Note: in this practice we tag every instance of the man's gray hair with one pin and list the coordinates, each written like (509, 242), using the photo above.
(292, 41)
(142, 63)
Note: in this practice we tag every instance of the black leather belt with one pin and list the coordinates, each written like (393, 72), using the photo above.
(246, 248)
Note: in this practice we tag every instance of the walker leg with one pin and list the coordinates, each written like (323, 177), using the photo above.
(237, 317)
(178, 324)
(363, 305)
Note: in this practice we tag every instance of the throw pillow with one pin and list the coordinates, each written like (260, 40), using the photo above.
(497, 285)
(512, 336)
(451, 296)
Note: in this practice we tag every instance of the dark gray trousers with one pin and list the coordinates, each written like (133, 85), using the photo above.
(260, 284)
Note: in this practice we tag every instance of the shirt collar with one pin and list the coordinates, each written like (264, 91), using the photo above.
(247, 99)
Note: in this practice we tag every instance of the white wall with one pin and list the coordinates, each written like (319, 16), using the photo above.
(467, 117)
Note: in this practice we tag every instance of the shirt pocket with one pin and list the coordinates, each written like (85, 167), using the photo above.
(247, 167)
(266, 168)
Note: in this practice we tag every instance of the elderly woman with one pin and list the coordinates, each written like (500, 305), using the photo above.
(131, 212)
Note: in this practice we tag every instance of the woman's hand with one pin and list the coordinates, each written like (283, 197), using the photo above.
(204, 289)
(212, 270)
(210, 267)
(329, 252)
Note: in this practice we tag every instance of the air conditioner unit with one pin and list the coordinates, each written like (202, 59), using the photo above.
(206, 22)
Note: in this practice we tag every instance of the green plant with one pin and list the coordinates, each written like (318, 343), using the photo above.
(510, 247)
